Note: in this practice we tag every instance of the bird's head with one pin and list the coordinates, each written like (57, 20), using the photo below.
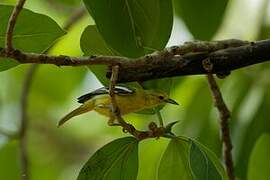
(155, 97)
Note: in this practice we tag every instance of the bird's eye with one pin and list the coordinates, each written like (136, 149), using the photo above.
(161, 97)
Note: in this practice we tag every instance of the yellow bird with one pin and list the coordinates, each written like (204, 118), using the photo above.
(128, 100)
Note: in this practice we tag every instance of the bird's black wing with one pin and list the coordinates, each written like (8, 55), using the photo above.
(119, 90)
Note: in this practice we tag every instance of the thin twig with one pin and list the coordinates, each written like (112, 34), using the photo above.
(115, 110)
(159, 117)
(24, 104)
(11, 24)
(22, 130)
(224, 114)
(24, 123)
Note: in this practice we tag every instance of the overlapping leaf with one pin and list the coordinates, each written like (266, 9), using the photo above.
(33, 32)
(202, 18)
(129, 26)
(187, 159)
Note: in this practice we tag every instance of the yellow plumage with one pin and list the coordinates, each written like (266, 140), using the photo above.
(128, 101)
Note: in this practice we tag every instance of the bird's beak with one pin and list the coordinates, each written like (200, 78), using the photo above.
(171, 101)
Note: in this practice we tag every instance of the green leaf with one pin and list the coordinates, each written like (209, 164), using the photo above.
(30, 35)
(116, 160)
(129, 25)
(187, 159)
(150, 152)
(7, 63)
(174, 162)
(68, 2)
(254, 120)
(202, 18)
(92, 43)
(9, 163)
(214, 159)
(201, 166)
(258, 166)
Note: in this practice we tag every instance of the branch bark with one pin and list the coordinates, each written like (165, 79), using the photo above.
(226, 55)
(224, 114)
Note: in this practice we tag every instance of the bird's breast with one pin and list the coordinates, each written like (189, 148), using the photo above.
(126, 104)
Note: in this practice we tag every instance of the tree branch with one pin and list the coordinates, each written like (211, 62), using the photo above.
(224, 114)
(226, 55)
(223, 60)
(11, 24)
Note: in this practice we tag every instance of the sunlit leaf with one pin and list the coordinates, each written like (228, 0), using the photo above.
(258, 166)
(174, 163)
(149, 159)
(116, 160)
(29, 34)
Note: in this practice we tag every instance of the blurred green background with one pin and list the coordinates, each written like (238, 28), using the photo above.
(59, 153)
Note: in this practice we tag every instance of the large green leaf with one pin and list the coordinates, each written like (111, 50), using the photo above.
(92, 43)
(174, 162)
(33, 32)
(201, 166)
(68, 2)
(258, 166)
(7, 63)
(148, 159)
(202, 18)
(130, 25)
(214, 159)
(116, 160)
(187, 159)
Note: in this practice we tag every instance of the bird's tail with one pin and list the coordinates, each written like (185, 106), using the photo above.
(75, 112)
